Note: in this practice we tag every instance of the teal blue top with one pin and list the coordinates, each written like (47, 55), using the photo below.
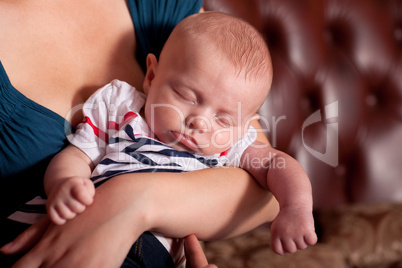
(30, 134)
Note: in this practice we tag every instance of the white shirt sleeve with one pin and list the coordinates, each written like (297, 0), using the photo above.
(234, 154)
(104, 112)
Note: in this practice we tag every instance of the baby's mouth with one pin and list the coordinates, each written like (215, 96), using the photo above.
(185, 140)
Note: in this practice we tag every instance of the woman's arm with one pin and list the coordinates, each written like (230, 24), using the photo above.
(219, 203)
(212, 203)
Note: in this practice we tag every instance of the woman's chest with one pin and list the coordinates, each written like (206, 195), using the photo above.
(57, 54)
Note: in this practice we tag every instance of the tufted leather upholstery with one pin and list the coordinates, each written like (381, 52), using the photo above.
(342, 58)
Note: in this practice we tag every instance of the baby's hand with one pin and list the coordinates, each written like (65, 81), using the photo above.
(292, 229)
(69, 199)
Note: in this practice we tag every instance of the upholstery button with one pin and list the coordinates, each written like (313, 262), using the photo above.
(398, 35)
(305, 105)
(371, 100)
(310, 103)
(340, 170)
(329, 36)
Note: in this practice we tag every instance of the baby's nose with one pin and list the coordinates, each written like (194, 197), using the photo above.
(197, 123)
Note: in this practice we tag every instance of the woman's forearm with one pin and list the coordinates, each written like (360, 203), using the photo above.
(212, 203)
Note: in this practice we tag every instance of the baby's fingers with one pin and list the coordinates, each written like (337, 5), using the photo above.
(76, 207)
(276, 246)
(283, 246)
(311, 238)
(304, 241)
(289, 246)
(301, 243)
(84, 193)
(58, 214)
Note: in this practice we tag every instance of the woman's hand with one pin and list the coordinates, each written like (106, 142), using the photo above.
(194, 254)
(61, 247)
(27, 239)
(99, 237)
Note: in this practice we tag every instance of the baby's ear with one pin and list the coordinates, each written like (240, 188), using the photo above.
(152, 63)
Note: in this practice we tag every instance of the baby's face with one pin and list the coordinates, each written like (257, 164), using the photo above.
(198, 103)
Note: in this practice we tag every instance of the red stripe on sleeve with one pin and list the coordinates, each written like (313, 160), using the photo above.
(98, 132)
(127, 117)
(224, 153)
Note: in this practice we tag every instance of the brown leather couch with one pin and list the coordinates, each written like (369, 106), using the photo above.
(336, 106)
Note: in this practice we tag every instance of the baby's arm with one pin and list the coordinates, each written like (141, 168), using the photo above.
(67, 184)
(279, 173)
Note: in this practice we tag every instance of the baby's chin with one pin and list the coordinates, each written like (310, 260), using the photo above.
(181, 148)
(199, 151)
(177, 142)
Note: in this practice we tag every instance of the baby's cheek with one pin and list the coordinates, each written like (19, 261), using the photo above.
(223, 139)
(166, 117)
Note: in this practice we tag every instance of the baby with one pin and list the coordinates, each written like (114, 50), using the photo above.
(212, 76)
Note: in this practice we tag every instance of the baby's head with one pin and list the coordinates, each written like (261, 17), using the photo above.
(212, 76)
